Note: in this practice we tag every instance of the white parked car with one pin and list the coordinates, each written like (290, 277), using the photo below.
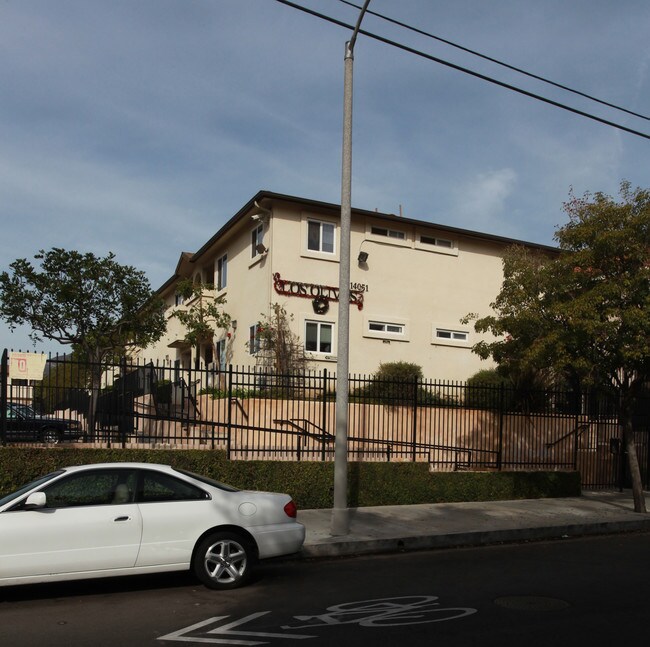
(132, 518)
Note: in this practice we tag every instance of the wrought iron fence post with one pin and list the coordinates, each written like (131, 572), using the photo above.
(122, 408)
(324, 416)
(575, 442)
(188, 402)
(229, 419)
(415, 419)
(4, 385)
(501, 412)
(646, 485)
(622, 457)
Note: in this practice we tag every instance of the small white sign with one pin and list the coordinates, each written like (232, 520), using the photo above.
(27, 366)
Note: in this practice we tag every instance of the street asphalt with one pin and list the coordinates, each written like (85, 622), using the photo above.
(445, 525)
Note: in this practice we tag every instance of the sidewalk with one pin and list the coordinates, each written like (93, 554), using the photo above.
(445, 525)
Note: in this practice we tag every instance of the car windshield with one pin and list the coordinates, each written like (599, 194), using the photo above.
(208, 481)
(15, 408)
(26, 488)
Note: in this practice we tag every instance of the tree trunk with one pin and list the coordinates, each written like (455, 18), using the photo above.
(633, 460)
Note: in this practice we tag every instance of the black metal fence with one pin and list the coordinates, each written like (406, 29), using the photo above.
(254, 413)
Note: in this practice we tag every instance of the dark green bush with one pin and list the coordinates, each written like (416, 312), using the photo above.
(309, 483)
(398, 384)
(488, 389)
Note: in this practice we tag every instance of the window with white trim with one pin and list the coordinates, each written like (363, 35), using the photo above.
(320, 236)
(254, 339)
(449, 335)
(388, 233)
(318, 336)
(382, 326)
(437, 242)
(220, 354)
(222, 272)
(257, 236)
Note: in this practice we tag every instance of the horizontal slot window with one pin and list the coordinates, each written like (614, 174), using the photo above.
(388, 233)
(456, 335)
(379, 326)
(450, 336)
(437, 242)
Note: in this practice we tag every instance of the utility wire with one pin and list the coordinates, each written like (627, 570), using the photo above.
(498, 62)
(465, 70)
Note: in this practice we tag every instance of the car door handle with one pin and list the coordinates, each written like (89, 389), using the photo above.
(124, 518)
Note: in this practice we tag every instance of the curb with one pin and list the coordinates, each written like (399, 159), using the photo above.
(351, 547)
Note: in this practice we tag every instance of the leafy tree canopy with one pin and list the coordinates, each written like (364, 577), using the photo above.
(583, 313)
(95, 304)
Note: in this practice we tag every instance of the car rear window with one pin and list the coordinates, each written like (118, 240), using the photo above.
(207, 480)
(158, 487)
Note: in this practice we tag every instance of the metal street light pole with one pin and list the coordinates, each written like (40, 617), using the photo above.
(340, 514)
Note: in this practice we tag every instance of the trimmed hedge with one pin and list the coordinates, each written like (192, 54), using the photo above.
(311, 484)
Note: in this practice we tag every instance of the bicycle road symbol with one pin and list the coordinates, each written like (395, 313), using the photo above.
(381, 612)
(385, 612)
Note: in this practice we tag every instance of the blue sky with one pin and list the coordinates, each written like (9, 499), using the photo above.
(140, 126)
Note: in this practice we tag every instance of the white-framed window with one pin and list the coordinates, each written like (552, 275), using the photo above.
(386, 328)
(448, 336)
(254, 339)
(320, 236)
(319, 337)
(257, 238)
(222, 272)
(382, 326)
(437, 244)
(387, 232)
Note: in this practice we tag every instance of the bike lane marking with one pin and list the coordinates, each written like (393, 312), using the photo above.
(385, 612)
(226, 630)
(381, 612)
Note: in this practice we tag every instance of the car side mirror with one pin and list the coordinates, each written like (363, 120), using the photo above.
(35, 501)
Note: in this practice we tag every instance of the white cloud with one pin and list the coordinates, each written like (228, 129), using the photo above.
(482, 199)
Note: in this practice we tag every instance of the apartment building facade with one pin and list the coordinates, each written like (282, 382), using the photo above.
(411, 283)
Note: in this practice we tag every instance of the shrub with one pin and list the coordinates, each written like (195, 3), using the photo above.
(486, 388)
(399, 383)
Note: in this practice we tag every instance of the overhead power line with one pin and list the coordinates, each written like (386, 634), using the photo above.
(498, 62)
(465, 70)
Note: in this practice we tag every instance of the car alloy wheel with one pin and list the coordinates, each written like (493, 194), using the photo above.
(223, 560)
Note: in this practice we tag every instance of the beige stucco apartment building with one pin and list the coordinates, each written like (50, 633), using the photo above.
(412, 281)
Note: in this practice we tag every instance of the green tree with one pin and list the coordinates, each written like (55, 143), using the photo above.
(202, 316)
(585, 313)
(98, 306)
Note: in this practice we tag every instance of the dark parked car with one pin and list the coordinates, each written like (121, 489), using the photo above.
(25, 425)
